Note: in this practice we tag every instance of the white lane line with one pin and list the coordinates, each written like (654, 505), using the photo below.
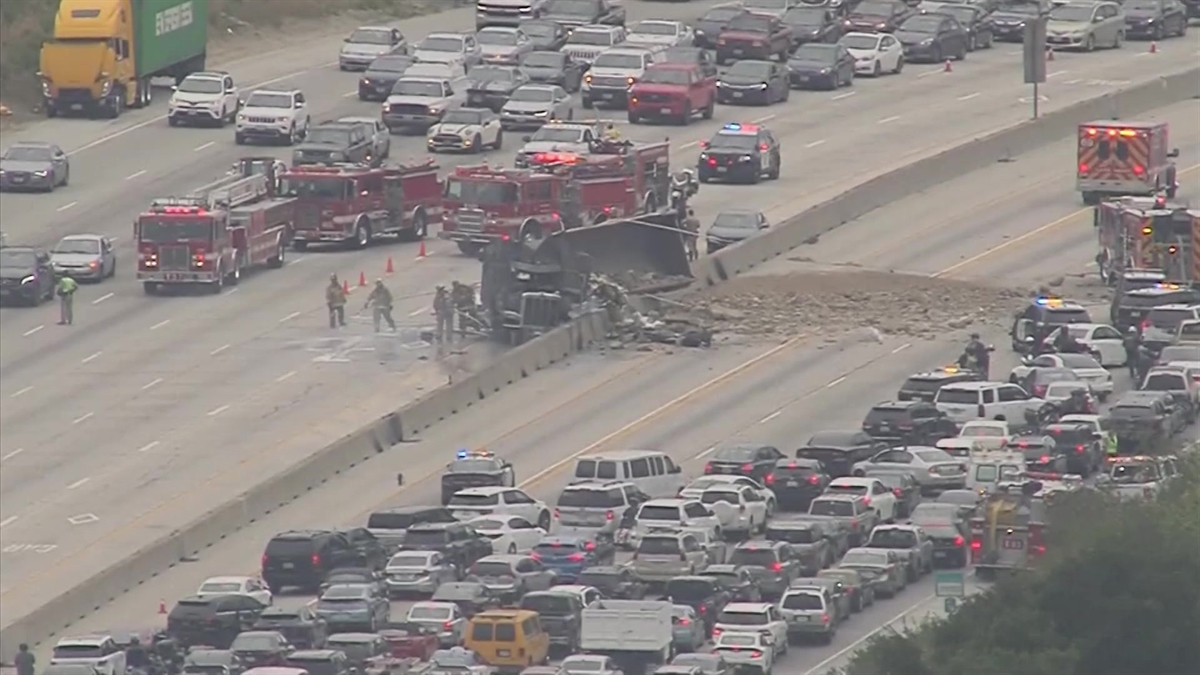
(285, 376)
(217, 411)
(822, 666)
(33, 330)
(417, 312)
(79, 483)
(902, 347)
(765, 118)
(19, 394)
(218, 350)
(707, 452)
(206, 146)
(841, 97)
(689, 144)
(297, 261)
(351, 94)
(66, 207)
(770, 417)
(1141, 54)
(931, 72)
(836, 382)
(815, 143)
(968, 97)
(102, 298)
(12, 454)
(148, 447)
(8, 521)
(160, 324)
(1072, 81)
(91, 358)
(151, 383)
(83, 418)
(289, 317)
(888, 120)
(136, 174)
(230, 291)
(1056, 73)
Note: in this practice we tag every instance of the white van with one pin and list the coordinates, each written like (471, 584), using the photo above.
(987, 470)
(653, 472)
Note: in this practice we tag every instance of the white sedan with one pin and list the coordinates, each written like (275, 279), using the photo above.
(874, 53)
(1084, 366)
(694, 489)
(659, 34)
(465, 129)
(509, 534)
(1100, 339)
(977, 436)
(248, 586)
(740, 509)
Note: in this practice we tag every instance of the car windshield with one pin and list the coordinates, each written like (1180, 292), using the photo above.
(666, 76)
(753, 557)
(619, 61)
(1130, 411)
(656, 512)
(721, 14)
(591, 498)
(963, 13)
(470, 465)
(1064, 389)
(533, 95)
(441, 44)
(473, 500)
(654, 28)
(599, 38)
(831, 507)
(78, 652)
(982, 431)
(1179, 353)
(958, 396)
(85, 246)
(344, 592)
(1169, 319)
(868, 558)
(201, 85)
(792, 535)
(161, 231)
(733, 143)
(481, 192)
(548, 604)
(689, 589)
(875, 9)
(1020, 10)
(504, 38)
(408, 561)
(815, 53)
(315, 664)
(750, 23)
(931, 456)
(1133, 473)
(419, 538)
(310, 188)
(572, 7)
(805, 16)
(803, 601)
(221, 587)
(340, 137)
(254, 642)
(892, 538)
(371, 36)
(554, 134)
(484, 525)
(928, 25)
(421, 88)
(737, 618)
(760, 69)
(658, 546)
(1142, 5)
(539, 30)
(491, 568)
(737, 220)
(28, 153)
(264, 100)
(1073, 13)
(734, 454)
(860, 42)
(543, 59)
(467, 116)
(427, 613)
(1165, 382)
(581, 664)
(391, 64)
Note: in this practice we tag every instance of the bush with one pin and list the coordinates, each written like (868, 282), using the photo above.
(1118, 593)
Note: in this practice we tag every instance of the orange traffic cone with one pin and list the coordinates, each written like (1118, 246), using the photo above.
(1049, 53)
(162, 606)
(948, 68)
(345, 286)
(1153, 47)
(390, 267)
(421, 252)
(362, 279)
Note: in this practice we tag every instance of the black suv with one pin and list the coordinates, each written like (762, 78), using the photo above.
(796, 481)
(213, 620)
(752, 460)
(739, 153)
(304, 558)
(299, 625)
(809, 542)
(706, 595)
(925, 386)
(457, 542)
(332, 142)
(25, 276)
(1042, 454)
(1083, 445)
(908, 422)
(390, 525)
(838, 451)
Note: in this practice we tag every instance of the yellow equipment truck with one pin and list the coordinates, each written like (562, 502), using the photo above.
(105, 53)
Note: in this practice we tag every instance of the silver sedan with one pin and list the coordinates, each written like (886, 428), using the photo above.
(417, 572)
(533, 105)
(33, 165)
(934, 469)
(89, 257)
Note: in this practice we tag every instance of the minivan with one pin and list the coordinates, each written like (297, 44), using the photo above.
(653, 472)
(595, 508)
(508, 639)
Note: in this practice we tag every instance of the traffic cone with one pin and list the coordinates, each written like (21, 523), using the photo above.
(391, 269)
(345, 287)
(162, 606)
(1153, 47)
(421, 252)
(1049, 53)
(362, 279)
(948, 68)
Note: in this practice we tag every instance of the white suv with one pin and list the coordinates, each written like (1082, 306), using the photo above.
(273, 115)
(488, 501)
(763, 618)
(672, 515)
(207, 97)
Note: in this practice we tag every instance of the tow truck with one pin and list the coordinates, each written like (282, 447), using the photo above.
(476, 468)
(1147, 233)
(353, 204)
(1124, 158)
(558, 191)
(1010, 535)
(212, 235)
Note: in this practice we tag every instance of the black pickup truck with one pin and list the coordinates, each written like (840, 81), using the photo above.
(335, 142)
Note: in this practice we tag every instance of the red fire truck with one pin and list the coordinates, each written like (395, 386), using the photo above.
(1124, 158)
(1148, 233)
(215, 233)
(559, 190)
(352, 204)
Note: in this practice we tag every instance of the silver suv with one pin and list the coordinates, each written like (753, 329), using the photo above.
(595, 507)
(273, 115)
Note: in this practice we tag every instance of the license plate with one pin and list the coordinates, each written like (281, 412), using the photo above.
(289, 566)
(1014, 544)
(19, 179)
(722, 169)
(792, 483)
(738, 94)
(737, 51)
(664, 111)
(76, 106)
(503, 652)
(607, 95)
(804, 78)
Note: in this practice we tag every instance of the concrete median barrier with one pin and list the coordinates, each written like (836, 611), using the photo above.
(943, 166)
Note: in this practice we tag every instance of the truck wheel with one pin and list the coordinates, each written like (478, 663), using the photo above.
(477, 144)
(499, 140)
(686, 118)
(51, 111)
(709, 109)
(469, 248)
(278, 259)
(420, 226)
(362, 235)
(235, 277)
(217, 286)
(150, 288)
(587, 103)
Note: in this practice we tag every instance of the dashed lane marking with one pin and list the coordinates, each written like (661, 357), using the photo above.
(102, 298)
(79, 483)
(83, 418)
(836, 382)
(148, 447)
(12, 454)
(842, 97)
(206, 146)
(91, 358)
(218, 350)
(889, 120)
(289, 317)
(968, 97)
(67, 207)
(902, 347)
(770, 417)
(815, 143)
(21, 392)
(160, 324)
(136, 174)
(217, 411)
(33, 330)
(8, 521)
(286, 376)
(151, 383)
(764, 118)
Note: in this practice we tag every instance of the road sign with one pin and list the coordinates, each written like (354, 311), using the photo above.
(949, 585)
(1035, 51)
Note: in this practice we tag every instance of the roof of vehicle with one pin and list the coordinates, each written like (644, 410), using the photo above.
(1179, 306)
(900, 405)
(668, 501)
(856, 481)
(302, 534)
(764, 544)
(90, 639)
(747, 607)
(598, 28)
(357, 120)
(483, 491)
(571, 589)
(78, 237)
(625, 49)
(208, 74)
(509, 558)
(498, 29)
(615, 455)
(504, 614)
(270, 90)
(31, 144)
(315, 654)
(907, 527)
(353, 637)
(422, 78)
(446, 34)
(674, 65)
(596, 485)
(833, 496)
(386, 28)
(226, 580)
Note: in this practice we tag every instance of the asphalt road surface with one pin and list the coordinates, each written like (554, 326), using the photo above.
(688, 402)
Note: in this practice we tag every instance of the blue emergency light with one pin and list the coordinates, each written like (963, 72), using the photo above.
(734, 126)
(463, 454)
(1047, 301)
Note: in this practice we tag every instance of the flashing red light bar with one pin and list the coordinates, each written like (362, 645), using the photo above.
(185, 210)
(556, 158)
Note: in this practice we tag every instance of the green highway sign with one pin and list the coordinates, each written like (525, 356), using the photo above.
(950, 584)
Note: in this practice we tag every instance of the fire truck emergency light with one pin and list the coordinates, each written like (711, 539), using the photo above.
(1125, 133)
(1147, 231)
(1172, 249)
(556, 157)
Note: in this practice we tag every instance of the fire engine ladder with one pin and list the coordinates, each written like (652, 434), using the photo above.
(233, 191)
(1001, 512)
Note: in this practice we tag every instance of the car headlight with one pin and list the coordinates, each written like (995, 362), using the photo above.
(826, 71)
(106, 88)
(763, 85)
(541, 113)
(41, 174)
(926, 43)
(29, 279)
(241, 117)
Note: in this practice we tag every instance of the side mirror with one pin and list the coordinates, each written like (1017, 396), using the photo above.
(174, 88)
(1173, 153)
(241, 102)
(526, 138)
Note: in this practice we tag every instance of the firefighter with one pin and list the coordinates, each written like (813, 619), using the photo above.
(692, 225)
(443, 309)
(136, 658)
(380, 300)
(335, 300)
(463, 298)
(1133, 351)
(66, 299)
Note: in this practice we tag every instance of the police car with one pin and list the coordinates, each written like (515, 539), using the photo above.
(743, 153)
(476, 468)
(1042, 316)
(924, 386)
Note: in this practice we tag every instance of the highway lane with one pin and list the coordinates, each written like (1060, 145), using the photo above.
(48, 375)
(684, 404)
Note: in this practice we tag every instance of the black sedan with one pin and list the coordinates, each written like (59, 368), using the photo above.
(732, 227)
(490, 86)
(819, 66)
(877, 16)
(975, 19)
(812, 24)
(1008, 22)
(932, 38)
(757, 82)
(709, 26)
(547, 36)
(754, 461)
(376, 83)
(553, 68)
(1155, 19)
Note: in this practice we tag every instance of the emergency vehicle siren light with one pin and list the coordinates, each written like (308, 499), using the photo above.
(1048, 301)
(556, 157)
(185, 205)
(463, 454)
(748, 128)
(1147, 230)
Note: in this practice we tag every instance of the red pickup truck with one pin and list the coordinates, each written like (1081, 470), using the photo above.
(675, 91)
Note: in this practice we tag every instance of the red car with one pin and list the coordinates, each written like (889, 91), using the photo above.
(676, 91)
(409, 640)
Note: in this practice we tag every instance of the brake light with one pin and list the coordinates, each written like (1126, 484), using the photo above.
(747, 467)
(557, 514)
(575, 557)
(557, 544)
(905, 426)
(1079, 449)
(535, 555)
(898, 492)
(1139, 169)
(959, 541)
(825, 618)
(1083, 167)
(814, 480)
(590, 546)
(717, 631)
(764, 147)
(265, 558)
(755, 654)
(316, 559)
(1039, 390)
(703, 609)
(684, 621)
(1044, 459)
(1023, 444)
(712, 161)
(777, 567)
(769, 479)
(708, 467)
(867, 500)
(449, 625)
(608, 515)
(976, 545)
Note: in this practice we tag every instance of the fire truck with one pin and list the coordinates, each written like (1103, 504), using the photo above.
(353, 204)
(557, 191)
(1124, 158)
(215, 233)
(1148, 233)
(1010, 532)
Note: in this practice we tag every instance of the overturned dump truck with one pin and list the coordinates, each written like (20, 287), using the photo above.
(530, 286)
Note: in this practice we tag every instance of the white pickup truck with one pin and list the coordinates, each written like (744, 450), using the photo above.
(99, 651)
(636, 634)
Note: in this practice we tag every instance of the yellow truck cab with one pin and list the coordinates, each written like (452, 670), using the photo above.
(105, 53)
(508, 639)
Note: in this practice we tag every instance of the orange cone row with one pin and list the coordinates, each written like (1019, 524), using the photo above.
(390, 268)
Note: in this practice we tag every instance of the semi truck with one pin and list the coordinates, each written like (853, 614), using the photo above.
(105, 53)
